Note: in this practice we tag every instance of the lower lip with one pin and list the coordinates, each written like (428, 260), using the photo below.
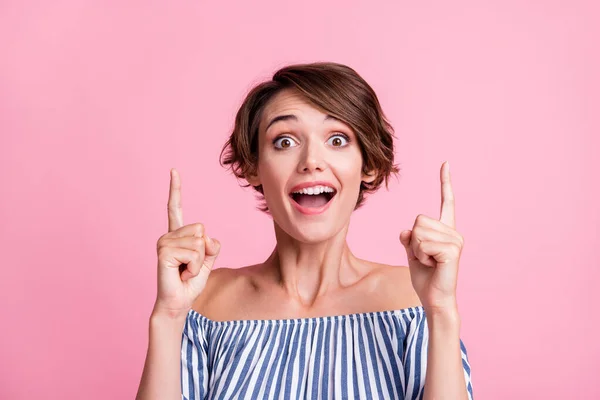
(312, 210)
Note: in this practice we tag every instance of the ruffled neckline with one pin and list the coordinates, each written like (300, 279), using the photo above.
(410, 311)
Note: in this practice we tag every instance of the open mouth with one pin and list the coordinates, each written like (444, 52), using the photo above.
(316, 197)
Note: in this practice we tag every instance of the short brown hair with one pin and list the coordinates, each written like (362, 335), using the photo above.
(338, 90)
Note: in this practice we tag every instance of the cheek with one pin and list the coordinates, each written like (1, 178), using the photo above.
(273, 174)
(349, 168)
(274, 163)
(349, 172)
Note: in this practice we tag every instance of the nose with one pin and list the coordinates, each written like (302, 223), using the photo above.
(312, 158)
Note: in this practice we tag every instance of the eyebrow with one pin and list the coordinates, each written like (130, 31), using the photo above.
(292, 117)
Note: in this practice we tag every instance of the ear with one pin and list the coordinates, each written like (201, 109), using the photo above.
(370, 176)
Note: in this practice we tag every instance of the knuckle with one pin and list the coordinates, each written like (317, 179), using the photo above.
(456, 248)
(161, 240)
(421, 218)
(198, 243)
(199, 256)
(193, 268)
(172, 206)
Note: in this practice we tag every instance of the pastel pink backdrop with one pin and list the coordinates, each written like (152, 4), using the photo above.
(98, 101)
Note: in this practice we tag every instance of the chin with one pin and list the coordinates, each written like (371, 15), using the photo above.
(313, 234)
(310, 231)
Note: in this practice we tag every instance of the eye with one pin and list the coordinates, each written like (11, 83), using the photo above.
(284, 142)
(338, 140)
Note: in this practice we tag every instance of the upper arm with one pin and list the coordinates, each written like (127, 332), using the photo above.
(196, 335)
(194, 359)
(415, 358)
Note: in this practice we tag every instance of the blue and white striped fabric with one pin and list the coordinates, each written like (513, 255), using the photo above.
(376, 355)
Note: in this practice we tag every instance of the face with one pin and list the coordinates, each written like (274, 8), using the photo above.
(309, 166)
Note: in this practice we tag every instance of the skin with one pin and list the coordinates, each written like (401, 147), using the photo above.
(311, 271)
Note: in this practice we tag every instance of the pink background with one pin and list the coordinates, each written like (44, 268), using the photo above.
(99, 101)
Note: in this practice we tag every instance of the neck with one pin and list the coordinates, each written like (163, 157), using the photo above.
(309, 271)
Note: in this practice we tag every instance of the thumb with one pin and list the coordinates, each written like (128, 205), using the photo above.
(405, 238)
(212, 249)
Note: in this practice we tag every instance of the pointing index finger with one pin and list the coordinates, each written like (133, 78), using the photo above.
(174, 209)
(447, 208)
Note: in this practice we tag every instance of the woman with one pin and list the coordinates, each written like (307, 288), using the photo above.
(313, 320)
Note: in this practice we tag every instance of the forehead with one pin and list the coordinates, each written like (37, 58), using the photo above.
(285, 99)
(288, 101)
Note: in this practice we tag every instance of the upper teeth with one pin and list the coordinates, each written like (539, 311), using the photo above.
(315, 190)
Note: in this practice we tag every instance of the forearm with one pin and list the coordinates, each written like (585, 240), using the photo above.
(444, 378)
(161, 378)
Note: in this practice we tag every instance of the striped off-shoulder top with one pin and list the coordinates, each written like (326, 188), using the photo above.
(374, 355)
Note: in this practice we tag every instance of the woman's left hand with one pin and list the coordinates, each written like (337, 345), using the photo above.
(433, 248)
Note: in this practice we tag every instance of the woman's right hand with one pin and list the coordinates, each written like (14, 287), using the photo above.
(186, 255)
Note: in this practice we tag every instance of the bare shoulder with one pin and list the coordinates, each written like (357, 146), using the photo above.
(223, 287)
(234, 293)
(395, 284)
